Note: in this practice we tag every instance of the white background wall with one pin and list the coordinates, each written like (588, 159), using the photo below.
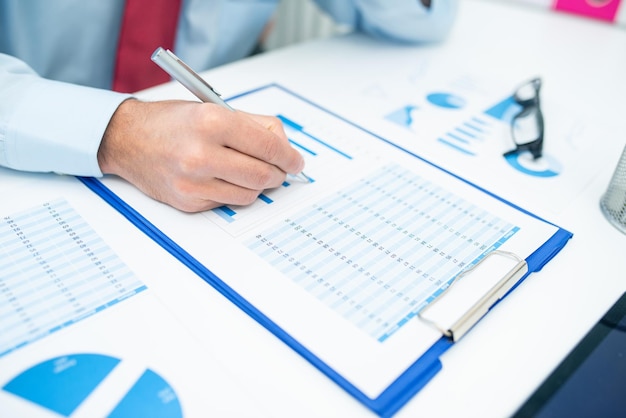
(301, 20)
(297, 21)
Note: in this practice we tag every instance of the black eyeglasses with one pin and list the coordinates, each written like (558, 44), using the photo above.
(527, 125)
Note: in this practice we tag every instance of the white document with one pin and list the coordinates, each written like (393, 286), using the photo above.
(86, 327)
(462, 121)
(345, 263)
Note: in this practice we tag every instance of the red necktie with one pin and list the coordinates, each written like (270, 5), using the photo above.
(146, 25)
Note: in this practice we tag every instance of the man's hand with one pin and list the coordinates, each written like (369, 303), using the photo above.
(196, 156)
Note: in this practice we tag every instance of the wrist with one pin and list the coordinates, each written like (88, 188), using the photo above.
(115, 137)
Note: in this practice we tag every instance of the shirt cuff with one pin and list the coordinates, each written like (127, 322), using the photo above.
(58, 127)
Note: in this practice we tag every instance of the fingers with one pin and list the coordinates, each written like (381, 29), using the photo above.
(229, 177)
(213, 194)
(243, 170)
(264, 138)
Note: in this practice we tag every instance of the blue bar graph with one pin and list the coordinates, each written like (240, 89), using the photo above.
(464, 137)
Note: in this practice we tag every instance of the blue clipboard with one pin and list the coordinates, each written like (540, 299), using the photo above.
(415, 377)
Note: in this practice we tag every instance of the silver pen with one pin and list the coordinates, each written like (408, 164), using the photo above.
(181, 72)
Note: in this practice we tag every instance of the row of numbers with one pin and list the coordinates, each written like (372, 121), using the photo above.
(54, 270)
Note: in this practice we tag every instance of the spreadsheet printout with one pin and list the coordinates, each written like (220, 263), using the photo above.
(54, 271)
(377, 261)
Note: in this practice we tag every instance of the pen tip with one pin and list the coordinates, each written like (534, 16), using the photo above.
(303, 177)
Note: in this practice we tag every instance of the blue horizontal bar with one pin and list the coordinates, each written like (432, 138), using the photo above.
(299, 128)
(303, 148)
(228, 211)
(290, 123)
(479, 121)
(458, 138)
(464, 132)
(265, 198)
(474, 127)
(463, 150)
(225, 213)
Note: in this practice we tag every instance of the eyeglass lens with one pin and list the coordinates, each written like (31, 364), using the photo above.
(528, 92)
(526, 125)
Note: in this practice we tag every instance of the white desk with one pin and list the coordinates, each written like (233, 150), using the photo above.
(496, 366)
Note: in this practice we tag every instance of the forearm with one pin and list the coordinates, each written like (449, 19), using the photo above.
(50, 126)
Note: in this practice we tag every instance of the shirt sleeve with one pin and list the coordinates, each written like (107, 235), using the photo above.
(51, 126)
(398, 20)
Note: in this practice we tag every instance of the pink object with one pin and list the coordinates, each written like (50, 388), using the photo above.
(597, 9)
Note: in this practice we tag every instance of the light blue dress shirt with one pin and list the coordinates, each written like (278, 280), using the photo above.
(57, 58)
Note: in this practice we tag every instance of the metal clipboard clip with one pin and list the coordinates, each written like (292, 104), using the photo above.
(478, 309)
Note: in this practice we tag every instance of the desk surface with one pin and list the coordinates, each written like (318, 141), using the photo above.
(505, 357)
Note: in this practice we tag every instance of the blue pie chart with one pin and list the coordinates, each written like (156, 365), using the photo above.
(446, 100)
(63, 383)
(546, 166)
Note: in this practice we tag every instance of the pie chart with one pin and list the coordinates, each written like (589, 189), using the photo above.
(63, 383)
(546, 166)
(446, 100)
